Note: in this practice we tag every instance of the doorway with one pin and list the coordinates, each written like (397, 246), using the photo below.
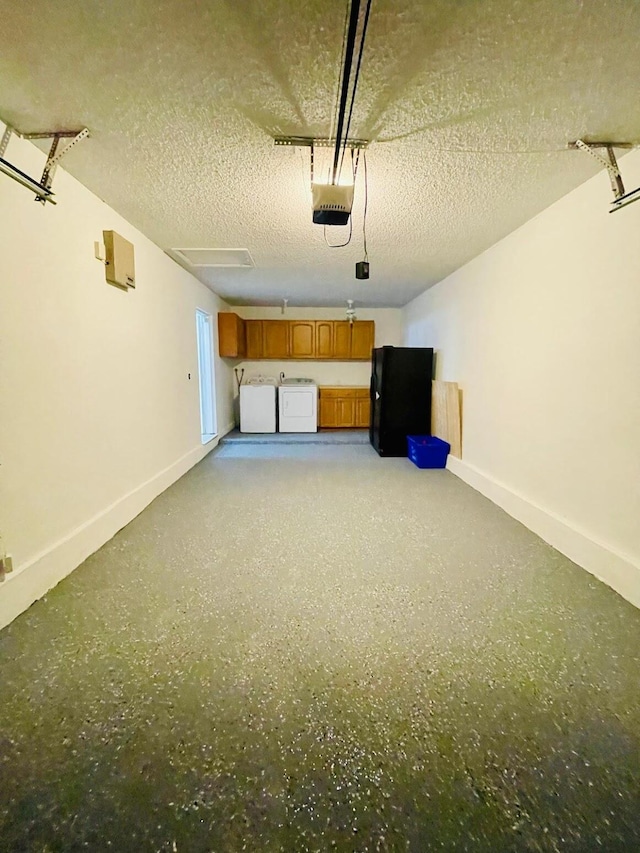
(206, 376)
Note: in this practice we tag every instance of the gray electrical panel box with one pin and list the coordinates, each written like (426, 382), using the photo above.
(119, 265)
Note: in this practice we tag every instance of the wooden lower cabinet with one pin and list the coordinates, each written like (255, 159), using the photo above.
(363, 411)
(346, 411)
(327, 415)
(343, 407)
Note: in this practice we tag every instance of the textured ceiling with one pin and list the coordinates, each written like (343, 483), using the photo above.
(183, 99)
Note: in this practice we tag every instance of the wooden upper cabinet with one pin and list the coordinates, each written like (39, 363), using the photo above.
(231, 335)
(342, 339)
(275, 339)
(253, 331)
(362, 339)
(324, 338)
(302, 339)
(295, 339)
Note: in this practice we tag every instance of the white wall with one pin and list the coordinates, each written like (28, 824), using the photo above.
(388, 332)
(98, 414)
(542, 332)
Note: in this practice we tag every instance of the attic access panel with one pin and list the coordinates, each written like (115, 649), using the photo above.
(216, 257)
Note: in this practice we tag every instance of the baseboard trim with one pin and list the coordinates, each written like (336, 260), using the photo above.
(30, 581)
(608, 565)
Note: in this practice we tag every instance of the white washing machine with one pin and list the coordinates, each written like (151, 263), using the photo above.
(298, 406)
(258, 405)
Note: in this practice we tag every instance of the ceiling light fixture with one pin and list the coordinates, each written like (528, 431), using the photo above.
(351, 311)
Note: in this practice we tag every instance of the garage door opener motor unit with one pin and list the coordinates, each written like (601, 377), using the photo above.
(332, 203)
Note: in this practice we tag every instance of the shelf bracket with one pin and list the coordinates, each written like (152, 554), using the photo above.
(42, 189)
(620, 197)
(6, 136)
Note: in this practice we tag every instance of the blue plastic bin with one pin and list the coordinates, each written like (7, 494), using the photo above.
(427, 451)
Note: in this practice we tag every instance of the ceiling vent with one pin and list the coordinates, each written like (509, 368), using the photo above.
(240, 258)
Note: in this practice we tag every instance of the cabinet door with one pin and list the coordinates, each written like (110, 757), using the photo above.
(346, 412)
(253, 329)
(302, 338)
(231, 335)
(324, 338)
(362, 339)
(363, 409)
(275, 334)
(341, 339)
(328, 416)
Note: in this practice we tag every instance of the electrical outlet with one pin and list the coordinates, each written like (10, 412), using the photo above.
(6, 564)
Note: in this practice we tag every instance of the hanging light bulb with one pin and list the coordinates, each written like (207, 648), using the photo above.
(351, 311)
(285, 302)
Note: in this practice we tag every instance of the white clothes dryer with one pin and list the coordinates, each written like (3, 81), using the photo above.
(298, 406)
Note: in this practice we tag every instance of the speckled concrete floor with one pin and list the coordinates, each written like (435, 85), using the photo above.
(322, 650)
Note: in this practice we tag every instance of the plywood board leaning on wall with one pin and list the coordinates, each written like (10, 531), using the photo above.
(445, 414)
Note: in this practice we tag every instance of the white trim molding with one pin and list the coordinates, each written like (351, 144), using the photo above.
(612, 568)
(29, 582)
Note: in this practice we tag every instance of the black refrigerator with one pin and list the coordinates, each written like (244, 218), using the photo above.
(400, 397)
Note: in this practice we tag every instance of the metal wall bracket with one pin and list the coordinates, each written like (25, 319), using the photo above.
(621, 197)
(354, 162)
(6, 136)
(42, 188)
(321, 142)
